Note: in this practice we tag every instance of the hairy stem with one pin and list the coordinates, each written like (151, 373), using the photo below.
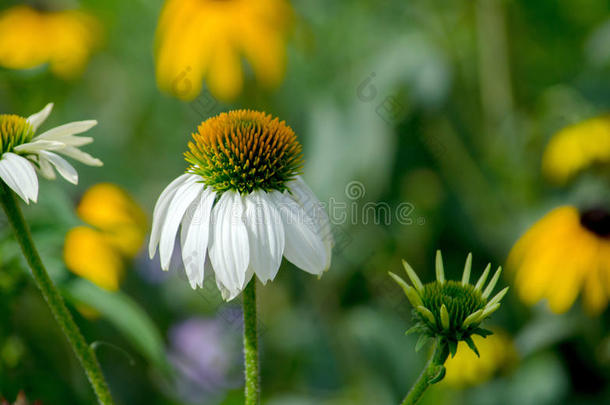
(252, 390)
(83, 352)
(427, 377)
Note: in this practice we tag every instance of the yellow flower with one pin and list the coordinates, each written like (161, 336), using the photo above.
(63, 39)
(120, 229)
(89, 255)
(566, 252)
(466, 369)
(111, 210)
(205, 38)
(576, 148)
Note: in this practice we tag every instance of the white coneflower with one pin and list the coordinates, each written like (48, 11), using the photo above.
(243, 201)
(22, 153)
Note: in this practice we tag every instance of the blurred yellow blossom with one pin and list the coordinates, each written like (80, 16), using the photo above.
(565, 252)
(111, 210)
(577, 147)
(89, 255)
(98, 254)
(466, 369)
(63, 39)
(206, 38)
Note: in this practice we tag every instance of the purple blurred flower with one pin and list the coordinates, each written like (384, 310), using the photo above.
(205, 353)
(150, 269)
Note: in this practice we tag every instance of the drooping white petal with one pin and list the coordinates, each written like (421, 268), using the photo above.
(81, 156)
(303, 195)
(229, 246)
(228, 295)
(265, 234)
(64, 168)
(72, 128)
(36, 146)
(45, 167)
(224, 291)
(194, 236)
(304, 245)
(37, 119)
(19, 174)
(160, 211)
(183, 198)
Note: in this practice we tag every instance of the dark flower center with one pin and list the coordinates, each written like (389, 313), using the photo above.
(596, 220)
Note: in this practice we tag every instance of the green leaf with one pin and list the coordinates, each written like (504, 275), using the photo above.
(125, 314)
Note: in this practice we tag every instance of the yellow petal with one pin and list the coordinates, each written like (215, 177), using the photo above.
(181, 51)
(577, 147)
(595, 297)
(264, 48)
(87, 254)
(225, 75)
(569, 277)
(544, 254)
(110, 209)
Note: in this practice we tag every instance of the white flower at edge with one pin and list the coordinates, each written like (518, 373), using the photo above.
(241, 206)
(19, 164)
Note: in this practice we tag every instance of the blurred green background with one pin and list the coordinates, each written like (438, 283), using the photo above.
(438, 111)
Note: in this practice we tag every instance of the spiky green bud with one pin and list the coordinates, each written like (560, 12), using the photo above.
(451, 310)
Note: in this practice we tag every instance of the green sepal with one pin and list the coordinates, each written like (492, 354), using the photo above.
(421, 342)
(482, 332)
(437, 375)
(414, 329)
(453, 345)
(472, 346)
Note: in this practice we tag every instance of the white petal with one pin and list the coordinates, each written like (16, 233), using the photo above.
(72, 128)
(81, 156)
(19, 174)
(229, 295)
(46, 169)
(194, 236)
(265, 234)
(175, 212)
(76, 141)
(228, 247)
(160, 211)
(36, 119)
(303, 195)
(304, 246)
(36, 146)
(64, 168)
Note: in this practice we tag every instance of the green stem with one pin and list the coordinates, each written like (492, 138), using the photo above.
(52, 297)
(252, 390)
(430, 371)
